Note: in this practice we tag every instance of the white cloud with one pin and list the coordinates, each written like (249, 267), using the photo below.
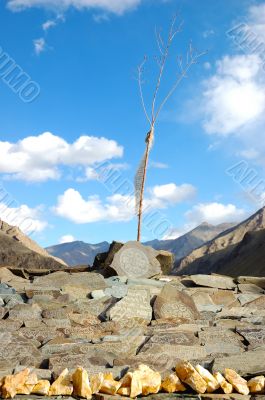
(256, 19)
(208, 33)
(48, 25)
(39, 45)
(171, 193)
(234, 97)
(173, 234)
(214, 213)
(38, 158)
(26, 218)
(51, 23)
(66, 239)
(115, 6)
(158, 165)
(72, 206)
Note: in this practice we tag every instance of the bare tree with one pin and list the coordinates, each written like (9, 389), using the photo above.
(183, 67)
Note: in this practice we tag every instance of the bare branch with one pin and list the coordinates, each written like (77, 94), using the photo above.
(183, 74)
(140, 83)
(172, 33)
(159, 40)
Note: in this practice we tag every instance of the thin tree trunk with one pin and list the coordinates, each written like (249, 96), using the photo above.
(149, 141)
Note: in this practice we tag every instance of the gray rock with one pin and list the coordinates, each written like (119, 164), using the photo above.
(171, 303)
(136, 304)
(98, 294)
(248, 363)
(250, 288)
(252, 280)
(135, 260)
(214, 281)
(117, 291)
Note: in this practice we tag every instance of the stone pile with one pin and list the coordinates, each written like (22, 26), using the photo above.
(141, 381)
(112, 325)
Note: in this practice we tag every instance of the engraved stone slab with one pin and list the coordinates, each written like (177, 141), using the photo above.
(135, 305)
(171, 303)
(87, 280)
(254, 336)
(248, 363)
(135, 260)
(174, 351)
(181, 338)
(214, 281)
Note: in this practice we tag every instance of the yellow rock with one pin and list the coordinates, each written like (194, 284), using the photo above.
(136, 384)
(109, 385)
(96, 382)
(126, 381)
(42, 388)
(126, 391)
(226, 386)
(145, 381)
(62, 386)
(212, 384)
(172, 384)
(81, 383)
(256, 385)
(12, 382)
(29, 384)
(236, 381)
(188, 374)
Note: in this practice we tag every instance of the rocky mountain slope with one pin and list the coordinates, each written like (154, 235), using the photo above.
(19, 251)
(78, 253)
(235, 250)
(184, 244)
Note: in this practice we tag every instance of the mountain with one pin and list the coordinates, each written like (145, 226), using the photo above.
(81, 253)
(19, 251)
(78, 253)
(225, 252)
(183, 245)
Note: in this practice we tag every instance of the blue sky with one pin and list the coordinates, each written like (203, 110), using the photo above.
(84, 59)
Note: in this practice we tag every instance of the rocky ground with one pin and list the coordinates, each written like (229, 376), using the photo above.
(61, 319)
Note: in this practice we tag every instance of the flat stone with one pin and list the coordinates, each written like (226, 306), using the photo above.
(171, 303)
(178, 338)
(235, 312)
(258, 303)
(254, 336)
(252, 280)
(245, 298)
(173, 352)
(40, 291)
(135, 260)
(7, 325)
(57, 323)
(250, 288)
(146, 282)
(87, 280)
(214, 281)
(223, 298)
(245, 364)
(219, 336)
(222, 348)
(98, 308)
(135, 304)
(89, 332)
(25, 311)
(74, 360)
(41, 334)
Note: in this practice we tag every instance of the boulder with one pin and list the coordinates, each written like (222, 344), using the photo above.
(172, 384)
(171, 303)
(62, 386)
(81, 383)
(188, 374)
(238, 383)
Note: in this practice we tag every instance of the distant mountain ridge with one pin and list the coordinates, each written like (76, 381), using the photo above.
(78, 252)
(225, 249)
(184, 244)
(81, 253)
